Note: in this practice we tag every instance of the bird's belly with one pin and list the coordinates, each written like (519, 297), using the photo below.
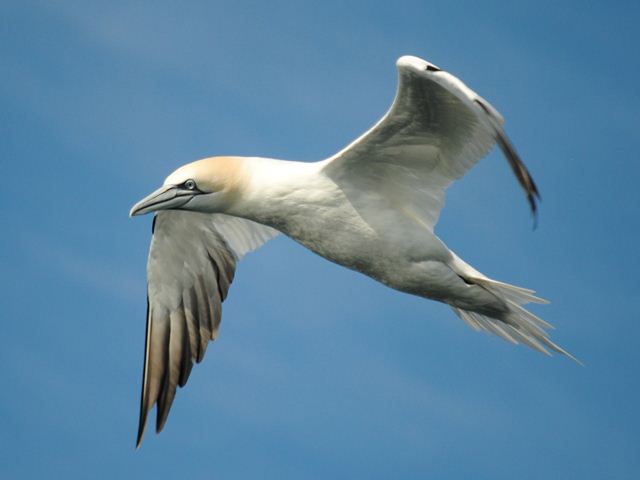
(345, 240)
(386, 254)
(396, 263)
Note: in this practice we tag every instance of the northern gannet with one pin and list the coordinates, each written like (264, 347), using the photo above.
(371, 207)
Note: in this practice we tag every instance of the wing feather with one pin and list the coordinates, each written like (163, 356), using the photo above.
(435, 131)
(191, 265)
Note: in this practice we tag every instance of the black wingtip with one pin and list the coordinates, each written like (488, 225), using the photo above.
(141, 426)
(164, 405)
(533, 196)
(144, 409)
(534, 211)
(139, 438)
(521, 172)
(517, 165)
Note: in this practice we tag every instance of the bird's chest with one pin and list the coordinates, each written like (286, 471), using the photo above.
(334, 232)
(342, 236)
(369, 238)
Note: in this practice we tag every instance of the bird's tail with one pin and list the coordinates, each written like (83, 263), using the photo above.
(518, 325)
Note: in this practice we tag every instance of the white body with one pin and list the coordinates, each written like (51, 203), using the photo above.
(301, 201)
(372, 207)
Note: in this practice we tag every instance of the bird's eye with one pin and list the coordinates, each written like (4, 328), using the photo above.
(190, 184)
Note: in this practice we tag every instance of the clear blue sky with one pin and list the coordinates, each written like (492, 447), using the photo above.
(318, 372)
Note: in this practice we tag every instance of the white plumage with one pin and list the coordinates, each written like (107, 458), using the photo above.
(372, 207)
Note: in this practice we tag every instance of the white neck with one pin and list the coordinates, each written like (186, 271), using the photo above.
(279, 192)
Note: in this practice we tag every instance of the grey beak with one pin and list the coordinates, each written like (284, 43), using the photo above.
(165, 198)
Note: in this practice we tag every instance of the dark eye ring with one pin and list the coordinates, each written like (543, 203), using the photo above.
(190, 184)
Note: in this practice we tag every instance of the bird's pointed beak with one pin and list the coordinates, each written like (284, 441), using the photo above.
(165, 198)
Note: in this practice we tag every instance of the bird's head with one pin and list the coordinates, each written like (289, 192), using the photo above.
(208, 185)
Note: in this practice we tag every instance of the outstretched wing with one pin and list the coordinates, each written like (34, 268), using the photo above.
(191, 264)
(435, 131)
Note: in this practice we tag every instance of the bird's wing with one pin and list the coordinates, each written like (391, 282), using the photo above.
(191, 264)
(436, 129)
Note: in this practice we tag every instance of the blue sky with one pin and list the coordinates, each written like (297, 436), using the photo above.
(318, 372)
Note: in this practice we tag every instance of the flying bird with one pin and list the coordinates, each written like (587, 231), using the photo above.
(371, 207)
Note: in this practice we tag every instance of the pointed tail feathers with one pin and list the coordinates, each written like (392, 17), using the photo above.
(519, 325)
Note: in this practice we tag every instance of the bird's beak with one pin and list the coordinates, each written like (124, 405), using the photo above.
(166, 197)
